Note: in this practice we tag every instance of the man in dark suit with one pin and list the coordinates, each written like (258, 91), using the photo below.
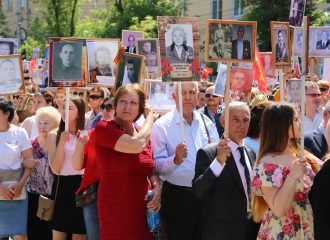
(240, 48)
(131, 44)
(281, 50)
(315, 141)
(324, 42)
(222, 180)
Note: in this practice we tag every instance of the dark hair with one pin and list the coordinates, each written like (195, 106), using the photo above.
(255, 122)
(80, 119)
(48, 98)
(7, 106)
(131, 88)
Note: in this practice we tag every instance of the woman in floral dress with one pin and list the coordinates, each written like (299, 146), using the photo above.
(281, 180)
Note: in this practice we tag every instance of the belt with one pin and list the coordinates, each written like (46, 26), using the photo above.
(170, 185)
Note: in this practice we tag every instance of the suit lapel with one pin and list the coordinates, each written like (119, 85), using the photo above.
(318, 138)
(232, 167)
(251, 155)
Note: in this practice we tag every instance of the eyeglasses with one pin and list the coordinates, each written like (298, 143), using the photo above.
(95, 97)
(80, 93)
(209, 95)
(16, 97)
(324, 89)
(107, 107)
(313, 94)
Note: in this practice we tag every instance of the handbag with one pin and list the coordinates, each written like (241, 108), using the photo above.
(46, 205)
(87, 196)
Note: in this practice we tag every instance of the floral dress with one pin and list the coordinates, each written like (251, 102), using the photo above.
(298, 222)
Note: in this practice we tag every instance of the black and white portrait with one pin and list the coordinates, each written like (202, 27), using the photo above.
(280, 43)
(179, 43)
(150, 50)
(241, 43)
(100, 62)
(281, 47)
(297, 9)
(323, 39)
(37, 76)
(160, 97)
(67, 61)
(10, 75)
(8, 46)
(293, 91)
(128, 39)
(220, 82)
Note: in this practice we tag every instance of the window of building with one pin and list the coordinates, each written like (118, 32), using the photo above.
(216, 9)
(238, 7)
(23, 3)
(9, 4)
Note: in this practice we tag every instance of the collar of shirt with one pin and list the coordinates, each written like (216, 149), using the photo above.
(322, 129)
(177, 117)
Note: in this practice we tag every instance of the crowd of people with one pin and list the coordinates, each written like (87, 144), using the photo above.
(251, 184)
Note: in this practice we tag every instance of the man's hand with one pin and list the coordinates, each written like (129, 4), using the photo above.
(181, 153)
(223, 151)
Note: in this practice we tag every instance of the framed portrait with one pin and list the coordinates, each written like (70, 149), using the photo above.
(160, 96)
(11, 74)
(129, 69)
(319, 42)
(37, 76)
(8, 46)
(230, 41)
(293, 91)
(101, 69)
(67, 62)
(266, 59)
(128, 39)
(220, 81)
(26, 69)
(149, 48)
(241, 80)
(280, 34)
(179, 51)
(297, 10)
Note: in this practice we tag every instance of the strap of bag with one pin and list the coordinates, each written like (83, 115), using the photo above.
(58, 180)
(207, 131)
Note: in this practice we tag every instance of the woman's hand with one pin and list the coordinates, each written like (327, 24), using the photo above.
(299, 169)
(154, 203)
(16, 189)
(65, 136)
(6, 193)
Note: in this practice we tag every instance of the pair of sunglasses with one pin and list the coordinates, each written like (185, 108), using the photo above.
(324, 89)
(95, 97)
(209, 95)
(107, 107)
(80, 94)
(16, 97)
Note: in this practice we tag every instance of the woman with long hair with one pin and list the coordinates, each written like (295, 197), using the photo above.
(281, 179)
(67, 217)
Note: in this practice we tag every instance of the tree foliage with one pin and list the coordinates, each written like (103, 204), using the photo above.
(265, 11)
(4, 31)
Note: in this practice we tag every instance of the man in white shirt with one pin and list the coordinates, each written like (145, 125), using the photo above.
(222, 180)
(175, 162)
(313, 116)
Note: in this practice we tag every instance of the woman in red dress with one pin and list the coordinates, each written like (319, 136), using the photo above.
(126, 168)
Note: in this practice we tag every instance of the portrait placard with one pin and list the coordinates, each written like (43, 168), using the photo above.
(37, 76)
(130, 69)
(8, 46)
(293, 91)
(67, 62)
(266, 59)
(11, 74)
(220, 82)
(149, 48)
(230, 41)
(179, 51)
(101, 69)
(297, 10)
(26, 69)
(128, 39)
(241, 80)
(160, 96)
(280, 34)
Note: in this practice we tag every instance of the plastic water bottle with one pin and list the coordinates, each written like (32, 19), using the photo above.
(153, 219)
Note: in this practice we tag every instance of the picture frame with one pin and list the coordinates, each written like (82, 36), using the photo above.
(128, 39)
(8, 46)
(293, 91)
(67, 71)
(130, 69)
(37, 77)
(149, 48)
(266, 59)
(100, 55)
(296, 14)
(179, 50)
(241, 81)
(160, 96)
(11, 74)
(317, 36)
(221, 41)
(280, 39)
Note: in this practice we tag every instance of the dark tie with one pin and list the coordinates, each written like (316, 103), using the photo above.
(246, 170)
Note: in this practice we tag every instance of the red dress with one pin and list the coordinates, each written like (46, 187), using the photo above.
(123, 186)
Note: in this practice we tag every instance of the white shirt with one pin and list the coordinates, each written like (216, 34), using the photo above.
(239, 49)
(89, 118)
(12, 143)
(217, 168)
(165, 136)
(311, 124)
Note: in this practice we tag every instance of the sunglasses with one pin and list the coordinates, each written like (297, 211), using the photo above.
(313, 94)
(324, 89)
(16, 97)
(80, 93)
(107, 107)
(95, 97)
(209, 95)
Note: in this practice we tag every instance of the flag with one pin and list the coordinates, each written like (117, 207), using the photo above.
(259, 74)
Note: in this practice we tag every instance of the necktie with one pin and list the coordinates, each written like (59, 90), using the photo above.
(246, 170)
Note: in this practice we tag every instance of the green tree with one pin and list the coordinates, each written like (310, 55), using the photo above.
(4, 31)
(265, 11)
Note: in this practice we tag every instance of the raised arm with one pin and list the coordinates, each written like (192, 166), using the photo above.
(79, 155)
(56, 153)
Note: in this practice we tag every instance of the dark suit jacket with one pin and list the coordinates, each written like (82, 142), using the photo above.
(246, 49)
(316, 143)
(281, 55)
(217, 116)
(127, 49)
(319, 45)
(319, 197)
(224, 213)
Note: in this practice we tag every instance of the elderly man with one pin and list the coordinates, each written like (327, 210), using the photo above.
(103, 64)
(240, 47)
(313, 116)
(213, 109)
(67, 70)
(281, 50)
(175, 162)
(131, 44)
(315, 141)
(222, 181)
